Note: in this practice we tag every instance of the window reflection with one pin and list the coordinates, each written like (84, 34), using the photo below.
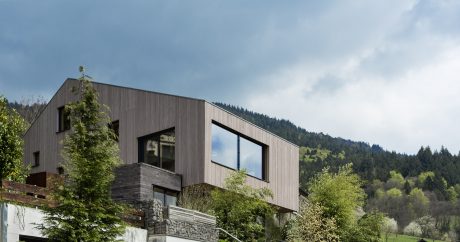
(251, 157)
(236, 152)
(224, 147)
(158, 149)
(164, 196)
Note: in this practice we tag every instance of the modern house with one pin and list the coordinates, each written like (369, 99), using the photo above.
(169, 142)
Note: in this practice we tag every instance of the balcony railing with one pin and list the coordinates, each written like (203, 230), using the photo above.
(31, 195)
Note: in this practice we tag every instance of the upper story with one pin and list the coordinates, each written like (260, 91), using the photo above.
(191, 137)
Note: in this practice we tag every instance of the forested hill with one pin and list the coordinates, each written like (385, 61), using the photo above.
(370, 162)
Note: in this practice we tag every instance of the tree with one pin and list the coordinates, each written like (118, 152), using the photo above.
(340, 196)
(12, 127)
(368, 229)
(241, 209)
(339, 193)
(312, 225)
(390, 225)
(413, 228)
(428, 226)
(85, 210)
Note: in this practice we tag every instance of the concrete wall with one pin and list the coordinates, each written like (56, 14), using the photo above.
(22, 220)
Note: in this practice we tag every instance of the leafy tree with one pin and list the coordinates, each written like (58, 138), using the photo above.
(390, 225)
(368, 229)
(428, 226)
(85, 210)
(396, 179)
(241, 209)
(312, 225)
(424, 175)
(12, 127)
(340, 194)
(418, 203)
(413, 228)
(394, 192)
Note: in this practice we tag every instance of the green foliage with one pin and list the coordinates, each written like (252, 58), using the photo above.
(12, 127)
(339, 193)
(312, 224)
(424, 175)
(196, 197)
(394, 192)
(417, 195)
(396, 179)
(241, 209)
(368, 229)
(85, 211)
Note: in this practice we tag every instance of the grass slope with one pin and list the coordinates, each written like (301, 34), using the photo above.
(404, 238)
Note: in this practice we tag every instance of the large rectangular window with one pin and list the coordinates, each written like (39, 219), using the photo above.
(232, 150)
(158, 149)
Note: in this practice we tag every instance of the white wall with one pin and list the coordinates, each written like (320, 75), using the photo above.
(23, 220)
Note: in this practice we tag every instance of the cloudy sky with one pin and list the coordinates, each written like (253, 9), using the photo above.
(383, 72)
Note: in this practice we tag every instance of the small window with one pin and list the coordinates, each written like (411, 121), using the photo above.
(36, 159)
(165, 196)
(115, 127)
(158, 149)
(63, 119)
(60, 170)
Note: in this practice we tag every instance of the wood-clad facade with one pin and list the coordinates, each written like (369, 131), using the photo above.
(142, 113)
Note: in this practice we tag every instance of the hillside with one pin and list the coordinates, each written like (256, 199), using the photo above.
(370, 162)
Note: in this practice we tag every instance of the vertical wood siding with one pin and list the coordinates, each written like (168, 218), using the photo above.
(283, 159)
(141, 112)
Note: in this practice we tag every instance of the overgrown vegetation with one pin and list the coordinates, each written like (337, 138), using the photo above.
(85, 210)
(330, 212)
(12, 127)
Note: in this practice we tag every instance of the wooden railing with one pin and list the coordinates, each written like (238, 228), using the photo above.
(25, 194)
(135, 218)
(39, 196)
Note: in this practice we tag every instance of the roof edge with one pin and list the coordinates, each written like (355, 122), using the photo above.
(287, 141)
(46, 106)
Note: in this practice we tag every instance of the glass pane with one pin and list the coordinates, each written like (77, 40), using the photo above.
(170, 200)
(167, 146)
(224, 147)
(158, 194)
(151, 153)
(251, 157)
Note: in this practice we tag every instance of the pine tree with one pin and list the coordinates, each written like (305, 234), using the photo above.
(85, 210)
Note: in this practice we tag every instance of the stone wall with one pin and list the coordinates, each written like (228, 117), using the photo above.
(187, 224)
(134, 182)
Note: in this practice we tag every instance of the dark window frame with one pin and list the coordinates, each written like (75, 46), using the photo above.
(165, 191)
(264, 152)
(140, 143)
(36, 156)
(63, 120)
(115, 127)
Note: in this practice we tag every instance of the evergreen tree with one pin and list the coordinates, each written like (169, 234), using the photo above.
(85, 210)
(12, 127)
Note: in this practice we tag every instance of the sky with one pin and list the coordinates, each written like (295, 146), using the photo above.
(383, 72)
